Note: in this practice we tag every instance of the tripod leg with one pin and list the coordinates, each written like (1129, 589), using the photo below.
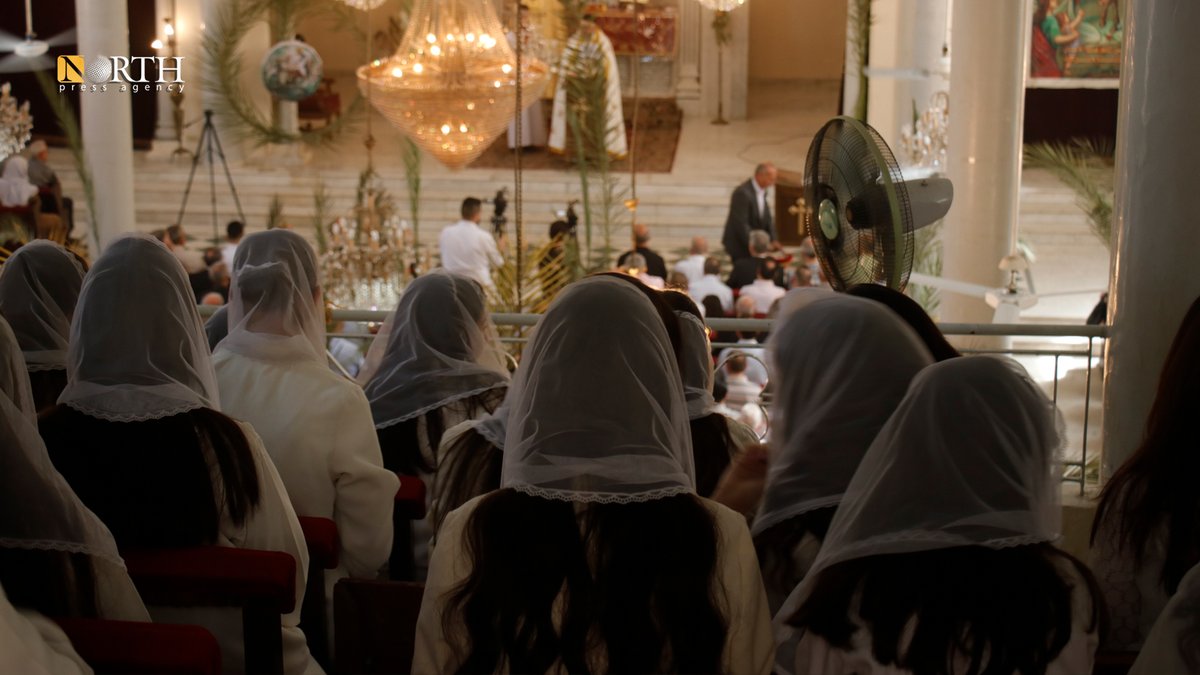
(228, 177)
(187, 190)
(212, 188)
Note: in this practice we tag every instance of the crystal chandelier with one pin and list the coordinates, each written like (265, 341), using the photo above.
(722, 5)
(452, 84)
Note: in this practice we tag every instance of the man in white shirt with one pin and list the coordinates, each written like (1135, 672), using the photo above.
(763, 290)
(693, 265)
(467, 248)
(708, 284)
(233, 234)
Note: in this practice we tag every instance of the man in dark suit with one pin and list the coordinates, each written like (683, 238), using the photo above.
(749, 210)
(655, 265)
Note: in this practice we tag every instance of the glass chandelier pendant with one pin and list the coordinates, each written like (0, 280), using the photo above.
(452, 85)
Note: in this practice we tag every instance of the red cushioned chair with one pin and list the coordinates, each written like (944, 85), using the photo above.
(136, 647)
(261, 583)
(409, 506)
(321, 536)
(375, 625)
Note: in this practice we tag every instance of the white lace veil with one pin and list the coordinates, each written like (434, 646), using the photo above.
(38, 510)
(138, 350)
(840, 366)
(276, 312)
(969, 458)
(438, 346)
(597, 411)
(14, 379)
(39, 287)
(697, 365)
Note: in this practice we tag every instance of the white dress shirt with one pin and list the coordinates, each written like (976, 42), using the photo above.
(708, 285)
(469, 250)
(692, 266)
(764, 292)
(228, 249)
(760, 195)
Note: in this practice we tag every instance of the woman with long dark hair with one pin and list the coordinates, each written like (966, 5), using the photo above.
(840, 366)
(1146, 534)
(315, 424)
(595, 555)
(39, 286)
(139, 436)
(940, 558)
(436, 363)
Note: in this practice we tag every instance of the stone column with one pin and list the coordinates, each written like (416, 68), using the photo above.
(1154, 279)
(687, 89)
(988, 81)
(106, 121)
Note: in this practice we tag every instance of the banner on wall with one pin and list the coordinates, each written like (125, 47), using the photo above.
(1076, 43)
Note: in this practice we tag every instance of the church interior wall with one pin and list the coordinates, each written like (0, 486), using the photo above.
(796, 39)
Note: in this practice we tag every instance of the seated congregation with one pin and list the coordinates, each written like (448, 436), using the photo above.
(586, 507)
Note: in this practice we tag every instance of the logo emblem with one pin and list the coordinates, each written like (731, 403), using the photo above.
(70, 69)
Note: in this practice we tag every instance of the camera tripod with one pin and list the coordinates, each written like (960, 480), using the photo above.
(208, 143)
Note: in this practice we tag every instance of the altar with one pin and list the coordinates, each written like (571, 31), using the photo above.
(646, 32)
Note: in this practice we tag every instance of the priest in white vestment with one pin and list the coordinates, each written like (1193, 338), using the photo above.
(587, 46)
(316, 425)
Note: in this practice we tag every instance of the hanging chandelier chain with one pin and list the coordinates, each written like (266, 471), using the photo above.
(518, 165)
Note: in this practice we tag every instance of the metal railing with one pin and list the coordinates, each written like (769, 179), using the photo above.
(1054, 355)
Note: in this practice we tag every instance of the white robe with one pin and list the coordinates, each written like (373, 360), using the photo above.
(597, 45)
(271, 527)
(30, 643)
(317, 428)
(749, 644)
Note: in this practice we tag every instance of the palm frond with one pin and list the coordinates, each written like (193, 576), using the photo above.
(1084, 166)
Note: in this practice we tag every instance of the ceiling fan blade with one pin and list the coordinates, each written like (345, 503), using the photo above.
(1091, 291)
(67, 37)
(960, 287)
(8, 41)
(19, 64)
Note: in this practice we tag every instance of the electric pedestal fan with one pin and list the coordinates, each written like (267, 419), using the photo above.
(859, 210)
(861, 214)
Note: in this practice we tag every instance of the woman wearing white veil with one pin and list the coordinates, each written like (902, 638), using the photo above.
(56, 557)
(715, 437)
(39, 286)
(940, 557)
(839, 365)
(596, 554)
(316, 425)
(139, 435)
(436, 363)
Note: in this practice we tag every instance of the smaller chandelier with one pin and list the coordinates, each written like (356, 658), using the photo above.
(452, 84)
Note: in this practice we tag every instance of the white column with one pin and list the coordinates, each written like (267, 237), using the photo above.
(164, 126)
(988, 81)
(1154, 277)
(687, 89)
(106, 123)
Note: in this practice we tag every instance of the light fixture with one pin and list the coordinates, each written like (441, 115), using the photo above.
(459, 86)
